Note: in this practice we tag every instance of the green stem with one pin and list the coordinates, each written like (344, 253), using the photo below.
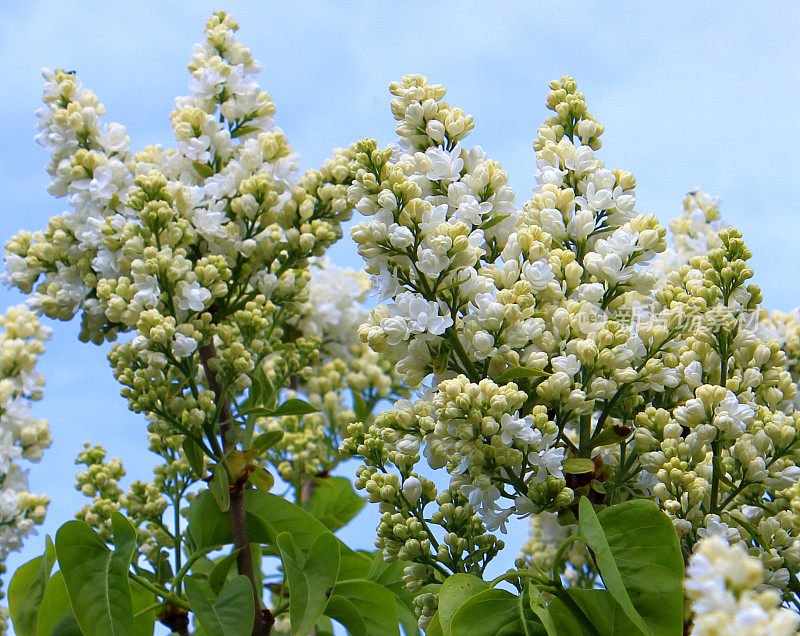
(519, 574)
(168, 597)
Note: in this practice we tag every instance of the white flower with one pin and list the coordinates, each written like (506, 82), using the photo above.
(422, 315)
(114, 139)
(183, 346)
(538, 273)
(446, 166)
(548, 461)
(412, 489)
(208, 85)
(396, 329)
(515, 428)
(732, 418)
(693, 374)
(400, 236)
(8, 451)
(102, 186)
(209, 223)
(567, 364)
(147, 291)
(193, 297)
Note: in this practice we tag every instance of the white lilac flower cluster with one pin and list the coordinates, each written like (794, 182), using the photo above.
(347, 377)
(721, 449)
(724, 587)
(481, 294)
(22, 436)
(201, 251)
(564, 352)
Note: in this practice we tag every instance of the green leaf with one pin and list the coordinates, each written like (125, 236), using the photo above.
(194, 455)
(517, 373)
(144, 614)
(605, 615)
(261, 479)
(494, 612)
(204, 170)
(232, 614)
(55, 605)
(494, 221)
(67, 626)
(96, 577)
(455, 591)
(27, 589)
(359, 406)
(209, 526)
(267, 440)
(346, 613)
(355, 565)
(293, 406)
(567, 615)
(219, 573)
(334, 501)
(647, 552)
(434, 628)
(594, 536)
(364, 608)
(309, 578)
(267, 516)
(578, 466)
(220, 487)
(244, 130)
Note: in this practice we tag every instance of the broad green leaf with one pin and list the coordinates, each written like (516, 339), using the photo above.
(55, 605)
(267, 440)
(27, 588)
(604, 614)
(203, 169)
(232, 614)
(67, 626)
(390, 576)
(578, 466)
(219, 573)
(144, 614)
(194, 455)
(343, 611)
(455, 591)
(407, 618)
(495, 612)
(570, 618)
(310, 578)
(648, 555)
(96, 577)
(593, 534)
(364, 608)
(334, 502)
(261, 479)
(209, 526)
(434, 628)
(354, 565)
(517, 373)
(220, 487)
(267, 516)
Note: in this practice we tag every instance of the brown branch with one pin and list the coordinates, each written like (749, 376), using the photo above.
(244, 559)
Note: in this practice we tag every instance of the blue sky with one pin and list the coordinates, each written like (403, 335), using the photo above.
(692, 95)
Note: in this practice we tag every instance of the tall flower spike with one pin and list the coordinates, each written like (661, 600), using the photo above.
(21, 435)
